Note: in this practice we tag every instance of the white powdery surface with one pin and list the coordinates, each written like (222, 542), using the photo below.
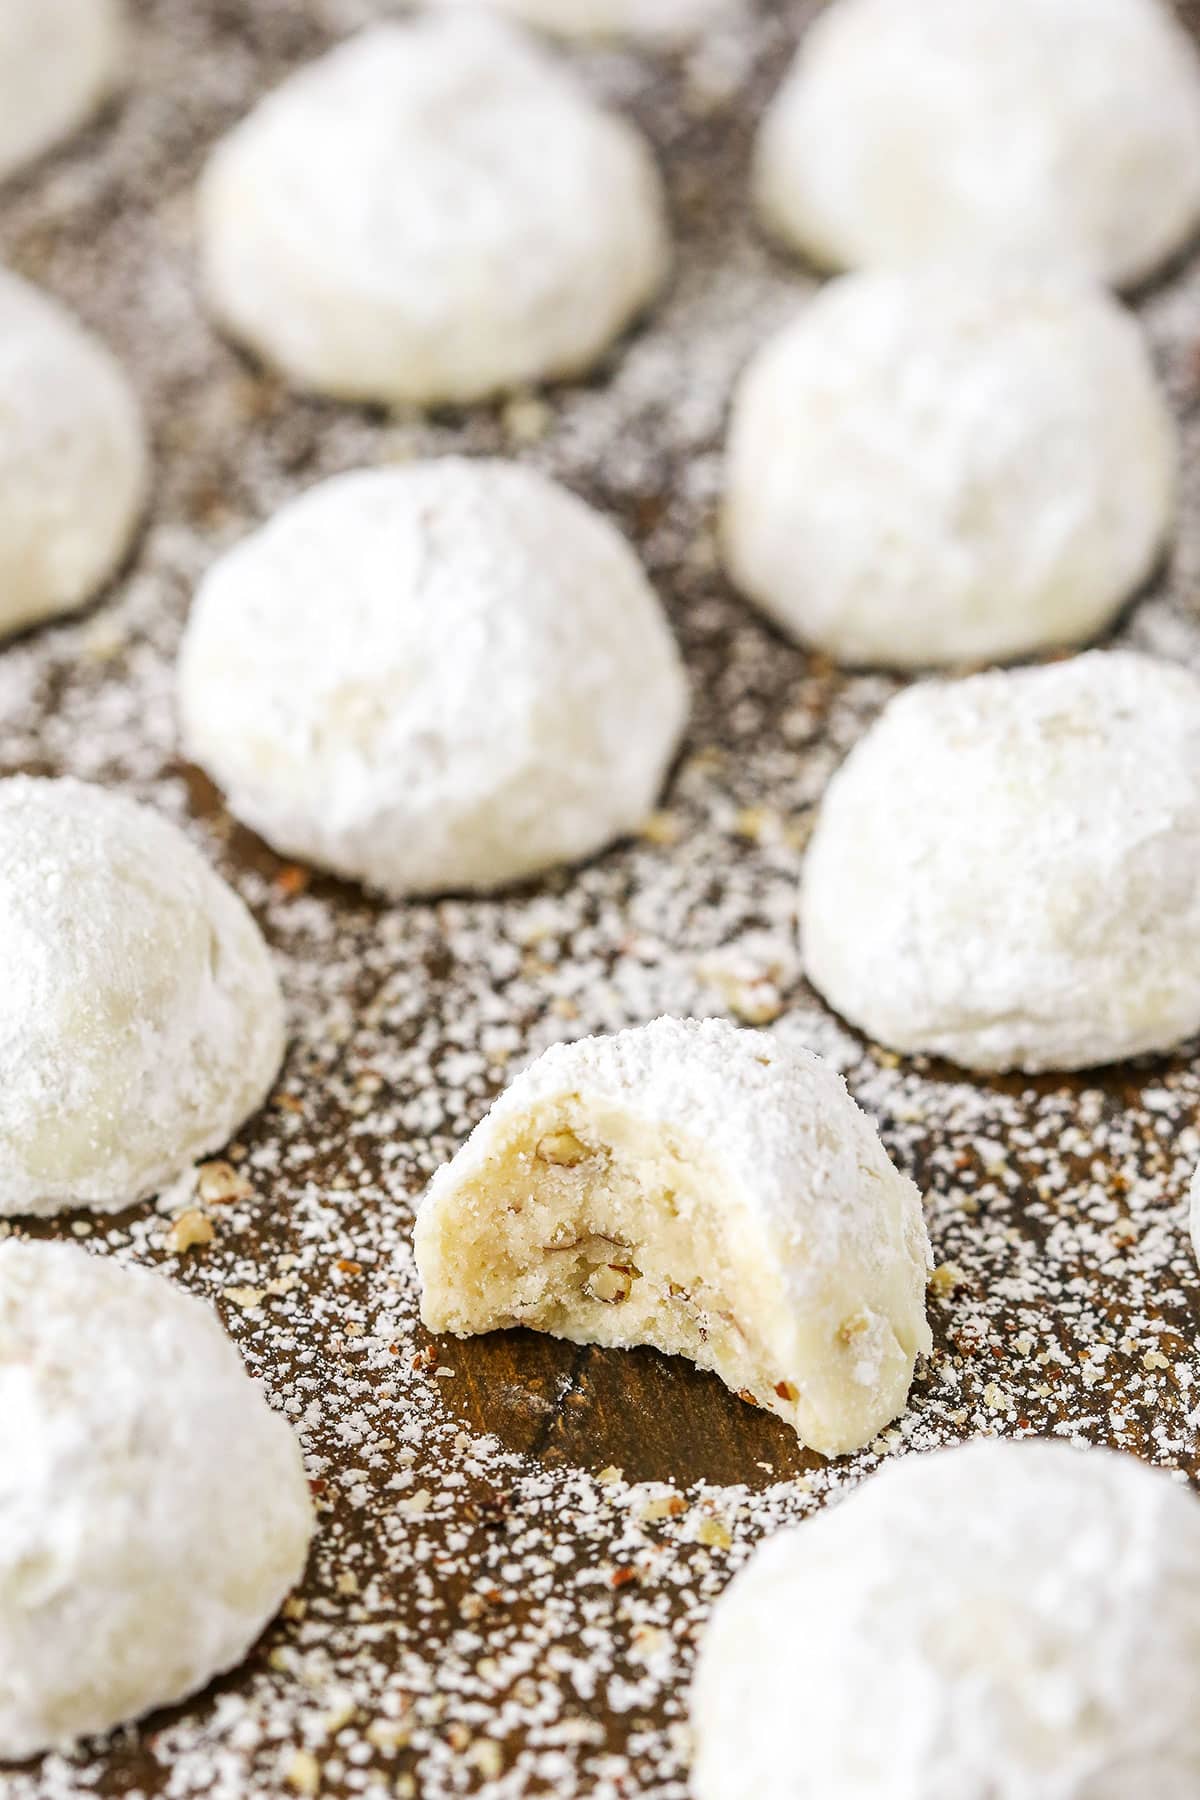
(1003, 871)
(442, 677)
(156, 1511)
(434, 213)
(1009, 1621)
(73, 461)
(1063, 129)
(141, 1020)
(468, 1610)
(948, 463)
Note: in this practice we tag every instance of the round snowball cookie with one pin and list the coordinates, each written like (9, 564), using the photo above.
(73, 460)
(446, 676)
(948, 464)
(1004, 870)
(433, 212)
(910, 129)
(659, 23)
(706, 1190)
(154, 1509)
(1005, 1621)
(58, 60)
(140, 1017)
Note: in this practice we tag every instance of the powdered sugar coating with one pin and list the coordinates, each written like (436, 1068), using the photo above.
(1003, 871)
(949, 463)
(73, 459)
(820, 1246)
(443, 676)
(1067, 129)
(997, 1622)
(1061, 1202)
(58, 61)
(140, 1016)
(154, 1512)
(432, 212)
(657, 22)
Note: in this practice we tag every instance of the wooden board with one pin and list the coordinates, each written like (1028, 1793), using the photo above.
(519, 1539)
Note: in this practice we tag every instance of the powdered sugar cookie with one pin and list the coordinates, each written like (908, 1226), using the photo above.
(435, 211)
(1006, 1621)
(449, 675)
(699, 1188)
(1053, 128)
(657, 22)
(140, 1016)
(155, 1510)
(948, 464)
(1004, 870)
(73, 461)
(58, 60)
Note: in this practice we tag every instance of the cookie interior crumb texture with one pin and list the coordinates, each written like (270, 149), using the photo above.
(520, 1539)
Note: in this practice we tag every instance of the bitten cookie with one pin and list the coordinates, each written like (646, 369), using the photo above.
(702, 1189)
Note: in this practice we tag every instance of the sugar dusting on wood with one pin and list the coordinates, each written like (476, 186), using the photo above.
(520, 1542)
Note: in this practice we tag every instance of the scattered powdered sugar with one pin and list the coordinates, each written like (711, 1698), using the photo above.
(490, 1604)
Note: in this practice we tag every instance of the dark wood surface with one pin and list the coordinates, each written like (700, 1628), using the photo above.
(441, 1649)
